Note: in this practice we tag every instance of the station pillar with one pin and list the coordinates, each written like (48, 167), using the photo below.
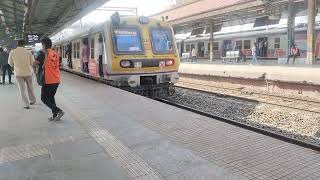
(291, 24)
(311, 32)
(211, 41)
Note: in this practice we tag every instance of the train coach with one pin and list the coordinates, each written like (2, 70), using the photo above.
(274, 43)
(135, 53)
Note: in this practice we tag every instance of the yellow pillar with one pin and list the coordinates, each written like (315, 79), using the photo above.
(311, 32)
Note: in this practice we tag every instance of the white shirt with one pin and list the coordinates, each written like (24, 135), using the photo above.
(22, 61)
(253, 51)
(193, 52)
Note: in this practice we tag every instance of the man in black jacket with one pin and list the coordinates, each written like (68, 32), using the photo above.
(5, 66)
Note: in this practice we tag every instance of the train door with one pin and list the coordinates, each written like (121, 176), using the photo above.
(262, 49)
(200, 49)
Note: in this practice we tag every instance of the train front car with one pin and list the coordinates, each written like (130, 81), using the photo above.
(143, 55)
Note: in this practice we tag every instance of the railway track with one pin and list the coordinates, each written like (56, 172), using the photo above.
(266, 132)
(312, 106)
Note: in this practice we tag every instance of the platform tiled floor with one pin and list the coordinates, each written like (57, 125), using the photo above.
(111, 134)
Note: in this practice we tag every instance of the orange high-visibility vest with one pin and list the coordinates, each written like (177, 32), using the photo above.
(51, 68)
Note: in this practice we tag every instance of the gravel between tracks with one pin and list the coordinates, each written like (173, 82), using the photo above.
(296, 124)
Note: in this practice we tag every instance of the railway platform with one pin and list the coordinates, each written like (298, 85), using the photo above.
(108, 133)
(284, 73)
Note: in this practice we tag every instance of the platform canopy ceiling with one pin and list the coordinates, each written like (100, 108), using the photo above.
(43, 17)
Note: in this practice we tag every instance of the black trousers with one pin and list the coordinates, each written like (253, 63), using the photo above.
(85, 67)
(6, 68)
(100, 66)
(48, 91)
(294, 58)
(69, 62)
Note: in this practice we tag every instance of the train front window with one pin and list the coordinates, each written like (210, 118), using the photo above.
(162, 40)
(127, 40)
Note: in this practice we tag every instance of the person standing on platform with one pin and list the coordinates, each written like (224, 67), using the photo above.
(85, 55)
(194, 54)
(22, 61)
(294, 52)
(50, 84)
(254, 53)
(265, 48)
(5, 67)
(100, 54)
(260, 48)
(69, 54)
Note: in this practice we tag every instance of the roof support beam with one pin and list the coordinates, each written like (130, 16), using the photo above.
(11, 12)
(10, 7)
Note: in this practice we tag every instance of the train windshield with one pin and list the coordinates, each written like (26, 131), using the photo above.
(127, 40)
(162, 40)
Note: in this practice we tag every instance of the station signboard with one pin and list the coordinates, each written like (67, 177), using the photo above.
(32, 38)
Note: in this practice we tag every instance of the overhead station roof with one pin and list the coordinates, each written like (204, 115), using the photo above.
(220, 10)
(44, 17)
(12, 13)
(194, 8)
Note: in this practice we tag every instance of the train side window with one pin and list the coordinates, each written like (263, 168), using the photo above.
(188, 47)
(239, 45)
(74, 50)
(63, 51)
(247, 44)
(277, 43)
(215, 46)
(92, 48)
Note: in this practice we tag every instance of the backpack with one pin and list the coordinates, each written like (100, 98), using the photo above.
(40, 71)
(40, 76)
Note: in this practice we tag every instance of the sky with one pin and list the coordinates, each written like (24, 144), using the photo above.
(143, 7)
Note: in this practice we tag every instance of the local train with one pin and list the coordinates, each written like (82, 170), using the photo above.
(136, 53)
(274, 43)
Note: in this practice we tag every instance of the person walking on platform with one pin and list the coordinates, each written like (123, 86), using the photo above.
(294, 52)
(22, 61)
(254, 54)
(5, 67)
(50, 84)
(194, 54)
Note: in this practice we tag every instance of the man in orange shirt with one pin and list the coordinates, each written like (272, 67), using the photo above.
(51, 79)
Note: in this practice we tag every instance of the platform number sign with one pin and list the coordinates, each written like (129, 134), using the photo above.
(32, 38)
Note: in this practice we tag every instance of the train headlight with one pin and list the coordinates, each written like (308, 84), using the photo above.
(125, 63)
(133, 81)
(169, 62)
